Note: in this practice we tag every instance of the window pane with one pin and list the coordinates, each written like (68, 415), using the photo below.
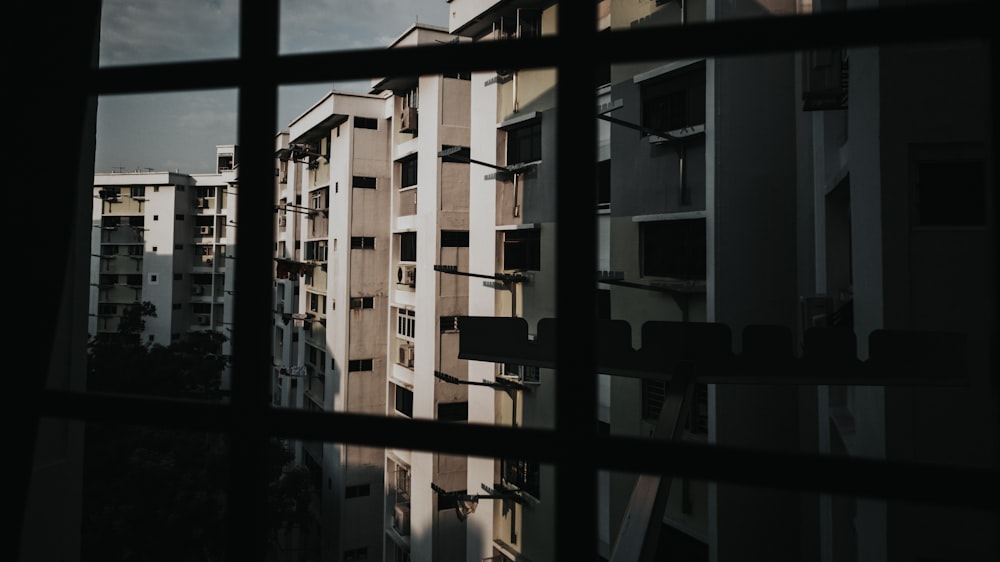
(752, 217)
(162, 245)
(790, 286)
(158, 494)
(149, 31)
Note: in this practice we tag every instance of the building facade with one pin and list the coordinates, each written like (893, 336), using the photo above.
(169, 239)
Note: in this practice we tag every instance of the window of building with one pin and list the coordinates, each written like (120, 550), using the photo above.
(317, 199)
(454, 238)
(364, 182)
(408, 171)
(675, 101)
(406, 322)
(408, 246)
(522, 249)
(358, 491)
(673, 248)
(948, 186)
(524, 143)
(316, 250)
(356, 554)
(362, 242)
(355, 365)
(365, 123)
(522, 474)
(138, 191)
(449, 324)
(227, 162)
(604, 184)
(461, 155)
(453, 411)
(362, 302)
(404, 401)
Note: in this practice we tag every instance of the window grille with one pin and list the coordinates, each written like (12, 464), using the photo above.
(240, 417)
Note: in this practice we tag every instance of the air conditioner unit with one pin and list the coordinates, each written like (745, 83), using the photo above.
(401, 519)
(526, 374)
(203, 320)
(357, 302)
(205, 229)
(282, 221)
(406, 355)
(408, 120)
(407, 275)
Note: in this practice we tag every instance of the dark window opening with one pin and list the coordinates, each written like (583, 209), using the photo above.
(408, 171)
(408, 246)
(461, 156)
(453, 411)
(522, 474)
(449, 323)
(950, 193)
(358, 491)
(522, 250)
(674, 248)
(454, 238)
(524, 144)
(362, 302)
(604, 184)
(362, 242)
(363, 182)
(366, 123)
(404, 401)
(356, 365)
(675, 101)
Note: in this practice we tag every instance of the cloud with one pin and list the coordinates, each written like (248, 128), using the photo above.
(180, 131)
(326, 25)
(151, 31)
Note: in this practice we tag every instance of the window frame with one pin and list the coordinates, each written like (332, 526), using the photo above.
(243, 418)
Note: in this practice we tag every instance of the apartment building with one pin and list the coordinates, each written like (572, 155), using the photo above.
(899, 214)
(331, 305)
(167, 238)
(429, 231)
(513, 229)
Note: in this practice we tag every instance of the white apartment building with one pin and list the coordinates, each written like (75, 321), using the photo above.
(429, 229)
(167, 238)
(331, 297)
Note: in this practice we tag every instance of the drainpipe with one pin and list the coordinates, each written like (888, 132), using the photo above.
(517, 207)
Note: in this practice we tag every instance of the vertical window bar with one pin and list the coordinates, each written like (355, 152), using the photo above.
(576, 237)
(252, 283)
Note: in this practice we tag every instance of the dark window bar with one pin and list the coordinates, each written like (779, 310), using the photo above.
(574, 446)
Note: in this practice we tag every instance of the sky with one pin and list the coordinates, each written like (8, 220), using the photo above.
(179, 131)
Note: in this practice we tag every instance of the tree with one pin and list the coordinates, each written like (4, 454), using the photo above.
(156, 495)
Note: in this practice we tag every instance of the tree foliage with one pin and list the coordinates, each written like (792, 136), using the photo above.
(153, 495)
